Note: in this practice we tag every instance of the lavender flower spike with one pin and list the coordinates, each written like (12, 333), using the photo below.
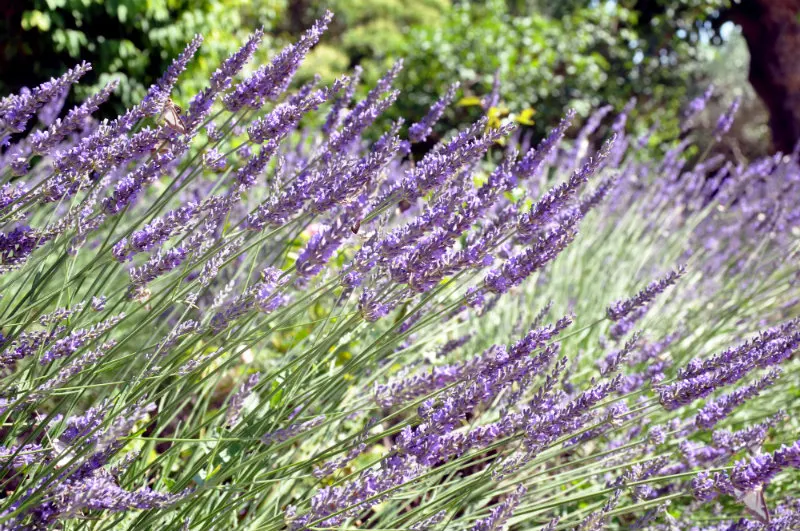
(419, 131)
(749, 474)
(622, 308)
(335, 115)
(221, 80)
(725, 121)
(429, 522)
(158, 94)
(533, 160)
(521, 266)
(43, 142)
(16, 110)
(294, 430)
(696, 106)
(557, 198)
(715, 411)
(271, 80)
(237, 400)
(500, 514)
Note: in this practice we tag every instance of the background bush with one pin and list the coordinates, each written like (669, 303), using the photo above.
(549, 56)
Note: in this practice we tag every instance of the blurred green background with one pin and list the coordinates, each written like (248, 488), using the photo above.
(549, 54)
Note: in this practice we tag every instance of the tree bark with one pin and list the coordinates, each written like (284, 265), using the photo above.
(772, 31)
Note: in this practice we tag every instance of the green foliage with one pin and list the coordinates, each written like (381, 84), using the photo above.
(579, 56)
(130, 40)
(549, 55)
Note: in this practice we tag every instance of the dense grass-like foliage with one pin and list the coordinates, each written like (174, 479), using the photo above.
(217, 319)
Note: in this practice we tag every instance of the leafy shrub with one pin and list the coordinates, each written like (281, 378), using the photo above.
(217, 319)
(131, 41)
(556, 55)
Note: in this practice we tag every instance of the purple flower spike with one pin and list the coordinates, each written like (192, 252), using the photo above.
(43, 142)
(500, 514)
(695, 107)
(335, 115)
(522, 265)
(238, 399)
(16, 110)
(623, 308)
(717, 410)
(557, 199)
(284, 434)
(159, 93)
(419, 131)
(201, 103)
(725, 121)
(271, 80)
(532, 162)
(756, 471)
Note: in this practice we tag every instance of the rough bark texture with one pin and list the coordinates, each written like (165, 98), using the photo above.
(772, 31)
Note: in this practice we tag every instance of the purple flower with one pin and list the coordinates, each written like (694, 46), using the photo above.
(340, 103)
(17, 245)
(758, 470)
(612, 361)
(557, 199)
(486, 365)
(16, 110)
(717, 410)
(238, 399)
(596, 520)
(428, 523)
(284, 434)
(351, 181)
(282, 119)
(766, 340)
(695, 107)
(69, 371)
(332, 505)
(332, 466)
(221, 79)
(22, 456)
(263, 296)
(214, 160)
(371, 307)
(160, 230)
(532, 162)
(130, 186)
(725, 121)
(623, 308)
(502, 512)
(544, 428)
(620, 329)
(272, 79)
(438, 166)
(158, 265)
(704, 488)
(159, 93)
(419, 131)
(597, 195)
(700, 378)
(68, 345)
(43, 142)
(324, 243)
(519, 267)
(101, 492)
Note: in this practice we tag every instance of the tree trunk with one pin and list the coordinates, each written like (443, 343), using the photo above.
(772, 31)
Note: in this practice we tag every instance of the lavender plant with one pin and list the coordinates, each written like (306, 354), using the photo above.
(221, 318)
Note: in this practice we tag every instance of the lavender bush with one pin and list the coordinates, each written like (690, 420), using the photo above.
(220, 318)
